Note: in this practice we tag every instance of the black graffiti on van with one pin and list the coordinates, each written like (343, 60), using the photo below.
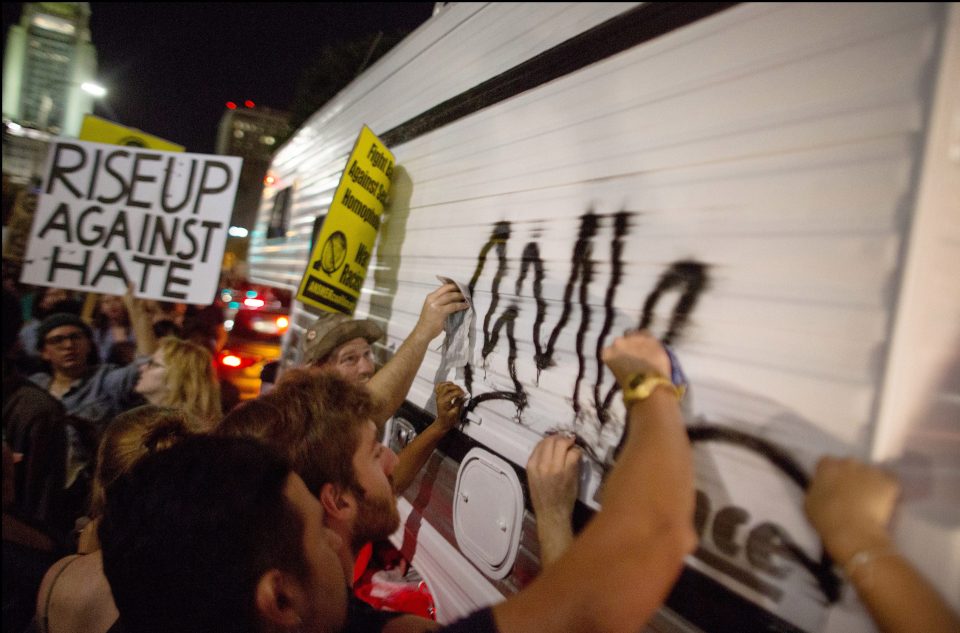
(688, 276)
(765, 542)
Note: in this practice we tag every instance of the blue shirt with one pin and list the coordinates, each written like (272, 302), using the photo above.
(28, 337)
(105, 391)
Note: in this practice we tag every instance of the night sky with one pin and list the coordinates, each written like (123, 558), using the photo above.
(171, 67)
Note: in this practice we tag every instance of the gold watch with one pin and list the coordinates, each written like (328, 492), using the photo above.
(640, 386)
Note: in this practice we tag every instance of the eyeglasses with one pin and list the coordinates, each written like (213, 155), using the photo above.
(60, 339)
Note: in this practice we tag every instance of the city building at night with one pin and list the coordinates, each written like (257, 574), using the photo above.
(49, 68)
(253, 133)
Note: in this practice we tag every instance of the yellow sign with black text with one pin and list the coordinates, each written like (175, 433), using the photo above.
(342, 251)
(102, 131)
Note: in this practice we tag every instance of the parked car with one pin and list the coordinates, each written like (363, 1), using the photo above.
(254, 340)
(249, 296)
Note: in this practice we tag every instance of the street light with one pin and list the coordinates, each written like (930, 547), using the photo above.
(93, 89)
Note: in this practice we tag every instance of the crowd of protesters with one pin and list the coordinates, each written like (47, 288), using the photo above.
(72, 364)
(137, 499)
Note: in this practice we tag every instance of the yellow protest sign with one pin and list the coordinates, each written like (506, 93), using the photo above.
(102, 131)
(341, 253)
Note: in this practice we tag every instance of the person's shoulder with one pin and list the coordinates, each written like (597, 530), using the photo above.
(41, 379)
(82, 579)
(20, 393)
(35, 390)
(29, 330)
(51, 578)
(83, 600)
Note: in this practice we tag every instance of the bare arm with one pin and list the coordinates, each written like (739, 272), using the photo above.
(141, 323)
(450, 400)
(89, 307)
(552, 474)
(389, 386)
(850, 505)
(632, 551)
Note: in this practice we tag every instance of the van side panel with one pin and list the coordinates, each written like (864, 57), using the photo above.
(743, 185)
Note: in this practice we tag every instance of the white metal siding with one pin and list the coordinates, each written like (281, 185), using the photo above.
(779, 145)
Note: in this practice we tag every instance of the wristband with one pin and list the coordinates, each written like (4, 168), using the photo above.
(677, 377)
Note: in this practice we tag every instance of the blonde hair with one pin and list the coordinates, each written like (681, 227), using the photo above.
(191, 380)
(130, 437)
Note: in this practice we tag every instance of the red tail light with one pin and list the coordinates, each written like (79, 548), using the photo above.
(235, 360)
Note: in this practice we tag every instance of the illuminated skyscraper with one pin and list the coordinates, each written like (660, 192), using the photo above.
(48, 63)
(253, 133)
(49, 56)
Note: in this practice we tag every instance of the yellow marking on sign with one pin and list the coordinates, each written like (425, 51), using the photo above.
(102, 131)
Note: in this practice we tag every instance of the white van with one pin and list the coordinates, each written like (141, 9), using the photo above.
(772, 188)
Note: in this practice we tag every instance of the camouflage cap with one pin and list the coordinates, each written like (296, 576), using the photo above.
(332, 330)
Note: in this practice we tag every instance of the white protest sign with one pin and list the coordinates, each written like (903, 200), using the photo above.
(110, 214)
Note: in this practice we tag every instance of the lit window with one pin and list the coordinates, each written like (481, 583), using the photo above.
(53, 23)
(280, 214)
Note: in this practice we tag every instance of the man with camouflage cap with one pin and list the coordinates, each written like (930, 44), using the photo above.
(339, 344)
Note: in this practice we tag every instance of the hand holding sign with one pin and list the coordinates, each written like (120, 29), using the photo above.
(141, 322)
